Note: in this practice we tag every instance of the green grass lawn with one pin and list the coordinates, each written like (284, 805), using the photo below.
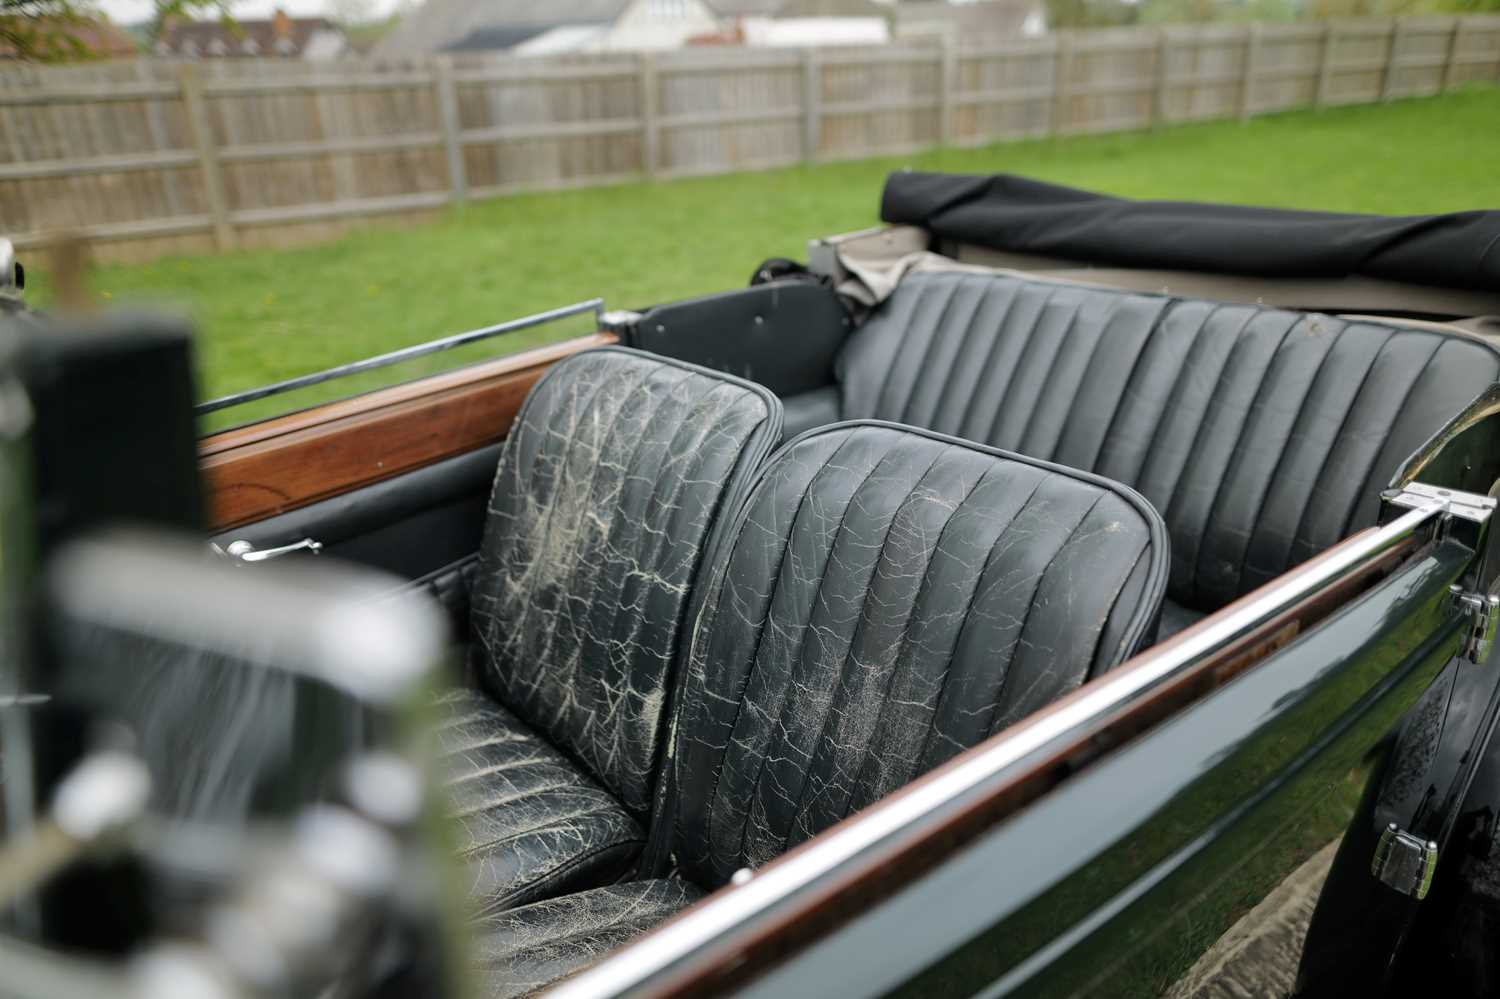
(265, 315)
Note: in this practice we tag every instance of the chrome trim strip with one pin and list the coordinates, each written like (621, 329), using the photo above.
(884, 823)
(594, 305)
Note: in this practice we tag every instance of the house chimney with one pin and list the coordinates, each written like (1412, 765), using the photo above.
(281, 25)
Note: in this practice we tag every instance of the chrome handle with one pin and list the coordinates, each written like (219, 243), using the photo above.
(245, 551)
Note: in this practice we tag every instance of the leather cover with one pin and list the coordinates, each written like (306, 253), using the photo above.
(606, 490)
(1263, 436)
(524, 951)
(885, 599)
(530, 825)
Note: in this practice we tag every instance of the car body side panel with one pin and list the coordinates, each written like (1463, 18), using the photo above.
(1116, 881)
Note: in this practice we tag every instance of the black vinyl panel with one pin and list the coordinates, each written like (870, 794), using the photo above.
(411, 525)
(783, 335)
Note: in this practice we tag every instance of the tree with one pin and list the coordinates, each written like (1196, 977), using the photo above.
(49, 30)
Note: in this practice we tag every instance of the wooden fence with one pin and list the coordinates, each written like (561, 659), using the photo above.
(153, 157)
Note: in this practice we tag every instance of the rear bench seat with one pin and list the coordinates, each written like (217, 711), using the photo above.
(1262, 436)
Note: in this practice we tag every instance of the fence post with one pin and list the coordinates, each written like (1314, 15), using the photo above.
(1159, 86)
(1325, 65)
(1451, 59)
(1063, 69)
(650, 101)
(447, 99)
(1393, 54)
(1247, 92)
(947, 84)
(812, 92)
(191, 84)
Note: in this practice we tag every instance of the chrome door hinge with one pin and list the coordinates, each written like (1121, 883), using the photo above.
(1405, 862)
(1465, 506)
(1481, 613)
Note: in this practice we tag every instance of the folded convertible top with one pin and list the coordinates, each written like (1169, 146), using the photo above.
(1019, 215)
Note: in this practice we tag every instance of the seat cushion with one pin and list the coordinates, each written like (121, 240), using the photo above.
(605, 493)
(530, 823)
(525, 950)
(1262, 435)
(885, 599)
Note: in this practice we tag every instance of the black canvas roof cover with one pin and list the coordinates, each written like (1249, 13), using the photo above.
(1003, 212)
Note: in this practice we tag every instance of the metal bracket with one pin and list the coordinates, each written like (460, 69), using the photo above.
(1483, 613)
(1405, 862)
(1465, 506)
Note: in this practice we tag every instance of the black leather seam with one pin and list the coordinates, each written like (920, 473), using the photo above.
(1046, 381)
(1332, 443)
(563, 467)
(932, 340)
(963, 345)
(1189, 587)
(1128, 644)
(989, 355)
(563, 871)
(1031, 338)
(854, 633)
(1152, 593)
(802, 641)
(752, 460)
(482, 848)
(1236, 452)
(1031, 603)
(1270, 482)
(1396, 412)
(1135, 367)
(885, 383)
(681, 483)
(979, 576)
(1174, 395)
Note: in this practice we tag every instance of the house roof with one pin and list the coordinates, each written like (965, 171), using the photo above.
(280, 35)
(458, 25)
(96, 38)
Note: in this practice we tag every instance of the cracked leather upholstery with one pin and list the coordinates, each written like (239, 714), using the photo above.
(603, 499)
(1262, 436)
(523, 951)
(529, 823)
(885, 599)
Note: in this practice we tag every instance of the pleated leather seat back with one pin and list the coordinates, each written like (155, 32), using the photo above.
(1262, 436)
(605, 494)
(885, 599)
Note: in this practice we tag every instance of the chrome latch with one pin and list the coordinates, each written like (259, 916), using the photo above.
(1481, 612)
(1405, 862)
(245, 551)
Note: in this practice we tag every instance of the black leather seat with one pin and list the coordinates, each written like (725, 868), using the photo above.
(606, 491)
(883, 600)
(1262, 436)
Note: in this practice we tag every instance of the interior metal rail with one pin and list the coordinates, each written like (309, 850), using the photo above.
(594, 305)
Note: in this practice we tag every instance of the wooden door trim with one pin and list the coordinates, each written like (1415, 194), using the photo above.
(267, 468)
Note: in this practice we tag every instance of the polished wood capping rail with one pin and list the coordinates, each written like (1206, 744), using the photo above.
(284, 463)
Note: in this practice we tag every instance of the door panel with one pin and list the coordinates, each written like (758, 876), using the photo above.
(269, 468)
(410, 526)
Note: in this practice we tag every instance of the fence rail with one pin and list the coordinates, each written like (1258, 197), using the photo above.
(155, 156)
